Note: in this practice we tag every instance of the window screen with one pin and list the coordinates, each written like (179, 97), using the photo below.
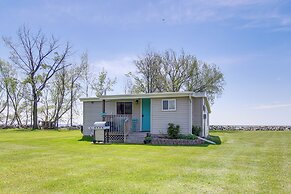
(169, 105)
(165, 104)
(124, 107)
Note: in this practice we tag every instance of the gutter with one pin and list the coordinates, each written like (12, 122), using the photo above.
(147, 95)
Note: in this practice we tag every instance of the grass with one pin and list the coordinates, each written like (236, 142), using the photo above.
(57, 162)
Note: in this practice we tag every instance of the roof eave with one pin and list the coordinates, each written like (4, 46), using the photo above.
(137, 96)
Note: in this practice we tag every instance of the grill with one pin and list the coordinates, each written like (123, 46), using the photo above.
(99, 131)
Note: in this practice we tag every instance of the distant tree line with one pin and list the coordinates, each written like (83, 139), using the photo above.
(41, 83)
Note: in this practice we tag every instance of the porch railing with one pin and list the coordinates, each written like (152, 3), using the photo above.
(120, 126)
(118, 123)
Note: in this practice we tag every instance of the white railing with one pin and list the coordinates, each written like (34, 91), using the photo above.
(118, 123)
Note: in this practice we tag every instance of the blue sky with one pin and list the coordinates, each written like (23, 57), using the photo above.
(250, 40)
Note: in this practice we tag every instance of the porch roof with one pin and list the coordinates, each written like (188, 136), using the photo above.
(148, 95)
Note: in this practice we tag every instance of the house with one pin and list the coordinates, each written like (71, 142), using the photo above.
(147, 113)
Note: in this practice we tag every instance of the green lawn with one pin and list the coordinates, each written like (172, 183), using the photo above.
(56, 162)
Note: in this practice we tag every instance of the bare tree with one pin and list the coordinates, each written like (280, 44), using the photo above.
(54, 101)
(3, 100)
(25, 107)
(15, 93)
(5, 72)
(46, 106)
(148, 78)
(75, 74)
(128, 87)
(175, 70)
(39, 58)
(172, 72)
(86, 73)
(102, 84)
(60, 96)
(206, 78)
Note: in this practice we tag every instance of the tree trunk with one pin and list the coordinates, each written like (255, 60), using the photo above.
(71, 116)
(7, 113)
(56, 120)
(34, 111)
(27, 116)
(31, 113)
(87, 89)
(18, 119)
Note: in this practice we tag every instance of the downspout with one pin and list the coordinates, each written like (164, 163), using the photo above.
(191, 116)
(103, 110)
(203, 120)
(207, 140)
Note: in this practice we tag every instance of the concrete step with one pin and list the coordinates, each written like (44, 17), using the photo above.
(136, 137)
(137, 134)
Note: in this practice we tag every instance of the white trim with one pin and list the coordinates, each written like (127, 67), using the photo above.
(169, 110)
(140, 123)
(191, 116)
(147, 95)
(151, 108)
(141, 129)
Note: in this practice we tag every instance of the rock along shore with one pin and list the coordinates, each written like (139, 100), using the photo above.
(249, 128)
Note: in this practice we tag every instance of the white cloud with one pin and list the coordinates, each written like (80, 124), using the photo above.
(243, 59)
(274, 19)
(115, 67)
(235, 3)
(250, 13)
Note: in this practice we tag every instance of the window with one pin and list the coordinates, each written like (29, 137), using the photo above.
(124, 107)
(169, 105)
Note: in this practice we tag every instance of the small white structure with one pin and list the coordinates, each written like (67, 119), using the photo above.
(99, 131)
(149, 112)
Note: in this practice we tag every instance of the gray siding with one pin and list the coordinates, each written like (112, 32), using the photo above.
(197, 116)
(160, 119)
(92, 112)
(110, 107)
(197, 111)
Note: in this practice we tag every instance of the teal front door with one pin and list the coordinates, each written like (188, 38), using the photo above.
(146, 115)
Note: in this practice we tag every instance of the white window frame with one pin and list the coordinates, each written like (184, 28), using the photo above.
(167, 110)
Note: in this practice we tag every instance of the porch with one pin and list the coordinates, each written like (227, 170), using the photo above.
(123, 128)
(135, 113)
(121, 123)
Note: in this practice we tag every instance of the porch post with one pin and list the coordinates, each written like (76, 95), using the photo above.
(103, 110)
